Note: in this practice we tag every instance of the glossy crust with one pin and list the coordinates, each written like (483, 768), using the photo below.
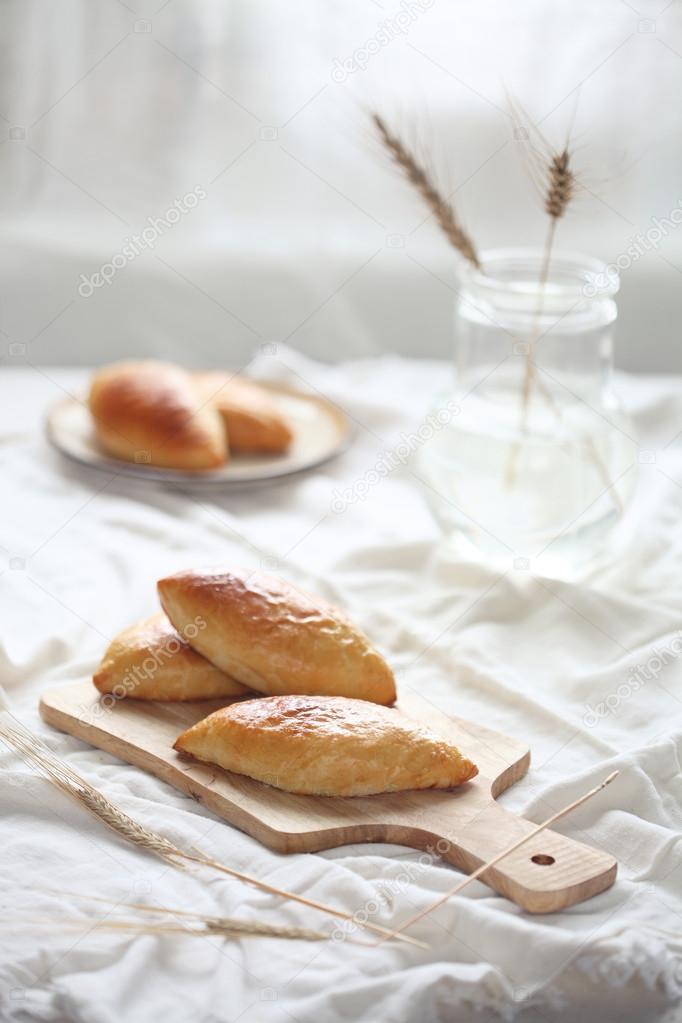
(150, 661)
(274, 638)
(150, 413)
(326, 746)
(254, 423)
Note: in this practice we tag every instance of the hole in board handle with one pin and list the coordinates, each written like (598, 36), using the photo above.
(543, 860)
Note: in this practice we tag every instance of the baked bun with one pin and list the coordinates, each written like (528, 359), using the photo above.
(150, 412)
(150, 661)
(326, 746)
(274, 638)
(254, 423)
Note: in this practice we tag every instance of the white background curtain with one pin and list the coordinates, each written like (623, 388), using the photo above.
(113, 110)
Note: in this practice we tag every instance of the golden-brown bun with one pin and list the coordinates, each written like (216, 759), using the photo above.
(150, 412)
(254, 423)
(150, 661)
(326, 746)
(274, 638)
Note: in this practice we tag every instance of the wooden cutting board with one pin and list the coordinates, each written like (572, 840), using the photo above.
(465, 826)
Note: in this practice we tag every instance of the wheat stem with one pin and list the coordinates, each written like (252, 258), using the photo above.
(203, 923)
(209, 922)
(224, 927)
(560, 191)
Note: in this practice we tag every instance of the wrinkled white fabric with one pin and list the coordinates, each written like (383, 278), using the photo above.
(530, 657)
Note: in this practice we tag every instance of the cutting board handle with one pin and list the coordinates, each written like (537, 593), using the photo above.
(548, 873)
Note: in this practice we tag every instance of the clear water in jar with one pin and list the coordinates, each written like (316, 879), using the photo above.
(543, 492)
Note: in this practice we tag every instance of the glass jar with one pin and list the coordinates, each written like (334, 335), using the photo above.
(536, 460)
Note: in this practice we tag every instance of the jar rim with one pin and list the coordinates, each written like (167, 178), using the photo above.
(572, 274)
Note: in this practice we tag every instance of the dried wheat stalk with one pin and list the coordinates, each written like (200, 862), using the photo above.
(560, 186)
(198, 924)
(558, 183)
(228, 927)
(442, 210)
(559, 193)
(34, 752)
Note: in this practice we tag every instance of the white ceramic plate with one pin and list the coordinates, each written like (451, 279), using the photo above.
(320, 428)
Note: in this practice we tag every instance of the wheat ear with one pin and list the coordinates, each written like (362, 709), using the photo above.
(442, 210)
(37, 755)
(192, 922)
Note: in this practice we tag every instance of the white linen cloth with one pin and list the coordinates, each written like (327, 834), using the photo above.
(526, 656)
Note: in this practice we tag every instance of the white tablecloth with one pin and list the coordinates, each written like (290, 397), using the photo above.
(523, 655)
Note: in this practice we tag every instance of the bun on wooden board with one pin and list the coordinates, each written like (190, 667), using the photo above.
(326, 746)
(275, 638)
(151, 661)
